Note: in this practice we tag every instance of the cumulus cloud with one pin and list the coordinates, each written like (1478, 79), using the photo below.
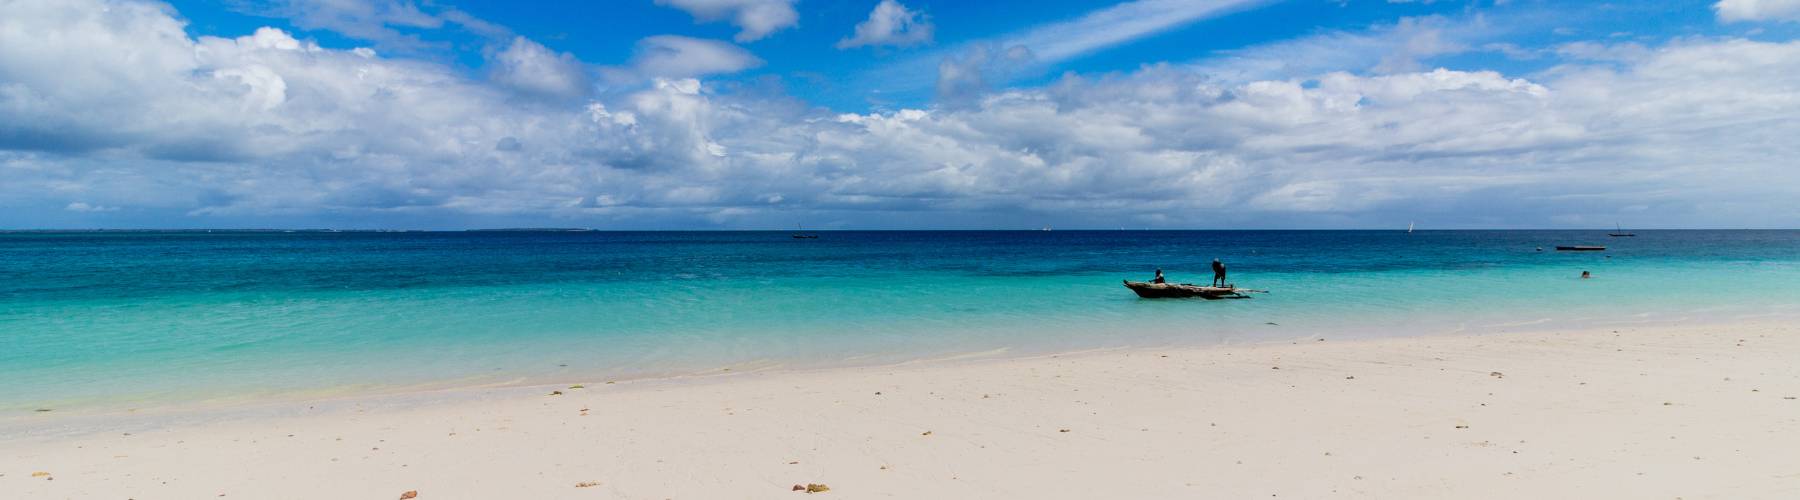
(533, 68)
(1758, 10)
(890, 24)
(112, 103)
(756, 19)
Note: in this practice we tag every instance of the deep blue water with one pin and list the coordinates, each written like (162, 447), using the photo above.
(119, 319)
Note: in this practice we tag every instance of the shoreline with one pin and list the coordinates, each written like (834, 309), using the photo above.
(1580, 413)
(183, 409)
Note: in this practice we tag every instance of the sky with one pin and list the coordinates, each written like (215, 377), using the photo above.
(899, 114)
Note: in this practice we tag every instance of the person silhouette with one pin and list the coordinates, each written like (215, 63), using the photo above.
(1218, 273)
(1159, 277)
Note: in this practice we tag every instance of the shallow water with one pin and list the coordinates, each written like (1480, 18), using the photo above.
(125, 319)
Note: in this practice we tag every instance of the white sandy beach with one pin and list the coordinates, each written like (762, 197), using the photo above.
(1665, 412)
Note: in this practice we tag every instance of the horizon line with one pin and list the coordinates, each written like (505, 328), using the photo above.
(716, 230)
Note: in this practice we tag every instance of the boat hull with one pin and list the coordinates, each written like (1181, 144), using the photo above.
(1579, 248)
(1180, 291)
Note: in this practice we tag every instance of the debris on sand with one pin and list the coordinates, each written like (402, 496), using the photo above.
(1062, 430)
(1462, 426)
(798, 487)
(817, 488)
(587, 484)
(555, 393)
(1496, 375)
(577, 386)
(410, 494)
(927, 433)
(42, 410)
(40, 474)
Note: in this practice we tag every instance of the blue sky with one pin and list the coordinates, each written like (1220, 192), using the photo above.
(897, 114)
(804, 60)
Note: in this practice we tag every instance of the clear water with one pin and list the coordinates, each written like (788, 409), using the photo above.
(125, 319)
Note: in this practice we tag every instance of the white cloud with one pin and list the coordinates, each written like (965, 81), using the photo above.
(1395, 47)
(891, 24)
(756, 19)
(1118, 24)
(963, 78)
(385, 22)
(86, 208)
(533, 68)
(674, 56)
(1061, 41)
(113, 104)
(1758, 10)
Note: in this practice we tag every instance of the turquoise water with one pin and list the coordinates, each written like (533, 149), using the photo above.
(127, 319)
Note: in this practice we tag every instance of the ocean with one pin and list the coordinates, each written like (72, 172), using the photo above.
(107, 321)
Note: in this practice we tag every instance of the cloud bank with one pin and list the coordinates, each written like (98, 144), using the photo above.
(110, 113)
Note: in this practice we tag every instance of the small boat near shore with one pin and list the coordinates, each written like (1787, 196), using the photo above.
(1172, 291)
(1579, 248)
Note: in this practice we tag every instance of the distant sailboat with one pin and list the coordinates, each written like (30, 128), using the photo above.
(1409, 226)
(803, 235)
(1619, 231)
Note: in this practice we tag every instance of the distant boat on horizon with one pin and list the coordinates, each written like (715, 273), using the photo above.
(1409, 227)
(1619, 232)
(801, 234)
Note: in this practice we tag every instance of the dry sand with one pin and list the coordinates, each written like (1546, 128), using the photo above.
(1664, 412)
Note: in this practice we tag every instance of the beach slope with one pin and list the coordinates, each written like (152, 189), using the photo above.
(1635, 412)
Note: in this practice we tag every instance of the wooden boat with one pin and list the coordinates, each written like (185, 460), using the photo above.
(801, 234)
(1171, 290)
(1619, 232)
(1578, 248)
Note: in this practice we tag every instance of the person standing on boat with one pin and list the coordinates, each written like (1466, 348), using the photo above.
(1218, 273)
(1159, 277)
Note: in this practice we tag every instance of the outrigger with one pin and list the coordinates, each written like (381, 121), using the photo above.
(1171, 290)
